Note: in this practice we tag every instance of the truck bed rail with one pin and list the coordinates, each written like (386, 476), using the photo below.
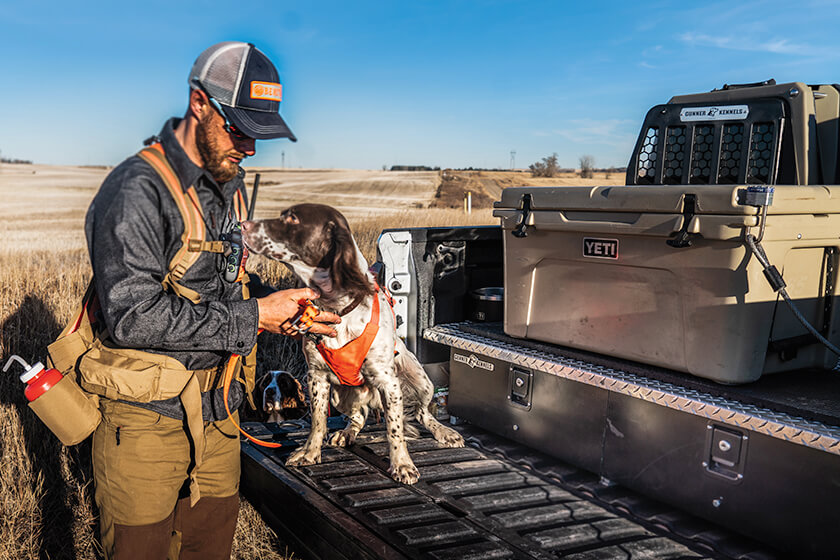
(693, 399)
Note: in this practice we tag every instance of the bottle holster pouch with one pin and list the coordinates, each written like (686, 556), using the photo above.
(85, 352)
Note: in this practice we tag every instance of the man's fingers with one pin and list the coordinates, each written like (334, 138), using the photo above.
(327, 317)
(323, 322)
(323, 329)
(303, 293)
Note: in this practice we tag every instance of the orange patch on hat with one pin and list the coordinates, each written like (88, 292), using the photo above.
(266, 90)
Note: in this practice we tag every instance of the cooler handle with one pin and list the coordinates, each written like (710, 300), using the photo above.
(718, 227)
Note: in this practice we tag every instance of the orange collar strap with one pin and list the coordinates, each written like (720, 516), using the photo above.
(346, 362)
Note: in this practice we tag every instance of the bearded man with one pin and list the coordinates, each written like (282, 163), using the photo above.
(160, 234)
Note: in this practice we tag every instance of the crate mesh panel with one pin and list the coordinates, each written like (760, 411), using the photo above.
(762, 145)
(731, 148)
(647, 157)
(675, 145)
(701, 155)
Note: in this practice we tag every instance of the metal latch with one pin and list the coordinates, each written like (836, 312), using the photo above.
(683, 238)
(449, 258)
(726, 453)
(521, 385)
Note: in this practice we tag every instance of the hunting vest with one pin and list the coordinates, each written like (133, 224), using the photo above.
(85, 350)
(346, 362)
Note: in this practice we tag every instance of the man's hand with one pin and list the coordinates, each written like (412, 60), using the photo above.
(279, 308)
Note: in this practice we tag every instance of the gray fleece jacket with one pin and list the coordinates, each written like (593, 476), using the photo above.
(133, 229)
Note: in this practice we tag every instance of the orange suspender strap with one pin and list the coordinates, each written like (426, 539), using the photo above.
(192, 239)
(346, 362)
(193, 222)
(90, 304)
(230, 370)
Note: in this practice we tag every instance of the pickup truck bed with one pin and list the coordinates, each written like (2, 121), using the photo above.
(492, 499)
(761, 459)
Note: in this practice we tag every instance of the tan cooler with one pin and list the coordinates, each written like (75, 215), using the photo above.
(661, 275)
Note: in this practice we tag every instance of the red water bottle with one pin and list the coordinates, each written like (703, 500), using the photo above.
(59, 402)
(38, 380)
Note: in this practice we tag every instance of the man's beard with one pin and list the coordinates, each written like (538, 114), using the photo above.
(214, 159)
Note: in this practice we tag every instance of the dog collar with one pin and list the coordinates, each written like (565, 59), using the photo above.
(353, 305)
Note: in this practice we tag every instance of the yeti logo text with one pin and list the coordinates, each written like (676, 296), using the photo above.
(724, 113)
(473, 362)
(600, 248)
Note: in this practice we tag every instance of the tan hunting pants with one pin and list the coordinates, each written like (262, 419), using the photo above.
(141, 462)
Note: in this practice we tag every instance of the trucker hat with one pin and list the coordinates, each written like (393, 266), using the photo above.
(245, 83)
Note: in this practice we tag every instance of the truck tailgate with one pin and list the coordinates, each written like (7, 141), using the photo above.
(491, 499)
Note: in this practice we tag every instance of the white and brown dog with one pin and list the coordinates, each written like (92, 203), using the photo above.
(282, 396)
(314, 240)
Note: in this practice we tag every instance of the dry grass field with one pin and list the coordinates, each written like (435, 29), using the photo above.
(46, 507)
(486, 186)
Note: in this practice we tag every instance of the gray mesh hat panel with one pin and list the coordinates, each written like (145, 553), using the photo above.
(244, 81)
(218, 70)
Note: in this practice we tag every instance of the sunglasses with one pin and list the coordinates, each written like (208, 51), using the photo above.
(229, 127)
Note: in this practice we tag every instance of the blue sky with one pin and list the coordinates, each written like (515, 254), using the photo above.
(367, 84)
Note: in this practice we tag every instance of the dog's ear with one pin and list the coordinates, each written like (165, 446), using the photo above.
(345, 272)
(300, 396)
(263, 381)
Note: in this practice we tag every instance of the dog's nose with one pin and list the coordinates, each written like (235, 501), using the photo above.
(247, 225)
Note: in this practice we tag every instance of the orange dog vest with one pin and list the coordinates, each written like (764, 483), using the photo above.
(346, 362)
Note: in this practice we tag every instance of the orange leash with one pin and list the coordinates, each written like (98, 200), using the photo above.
(230, 367)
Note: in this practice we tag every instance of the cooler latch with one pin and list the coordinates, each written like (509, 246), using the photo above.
(683, 238)
(521, 229)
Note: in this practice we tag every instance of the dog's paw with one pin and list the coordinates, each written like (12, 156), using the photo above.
(342, 438)
(448, 437)
(405, 473)
(303, 457)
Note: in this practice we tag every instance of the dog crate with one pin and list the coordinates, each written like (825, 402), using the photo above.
(661, 275)
(759, 133)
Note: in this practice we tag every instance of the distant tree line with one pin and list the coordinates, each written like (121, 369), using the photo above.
(414, 168)
(548, 167)
(499, 169)
(14, 160)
